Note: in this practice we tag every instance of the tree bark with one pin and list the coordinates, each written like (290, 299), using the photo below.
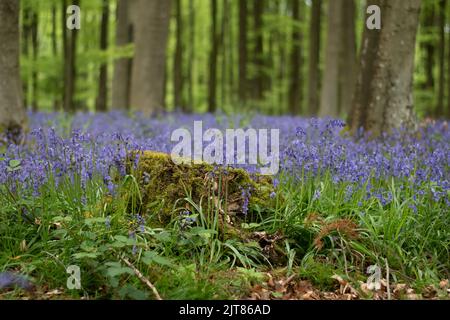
(213, 60)
(191, 78)
(178, 61)
(258, 53)
(329, 101)
(148, 75)
(122, 67)
(295, 88)
(102, 98)
(383, 97)
(243, 86)
(441, 85)
(314, 57)
(70, 46)
(56, 103)
(347, 66)
(12, 111)
(35, 46)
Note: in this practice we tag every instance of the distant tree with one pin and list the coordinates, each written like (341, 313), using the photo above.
(295, 88)
(314, 57)
(35, 46)
(12, 111)
(70, 48)
(178, 80)
(441, 48)
(212, 102)
(102, 97)
(243, 86)
(122, 67)
(347, 58)
(151, 21)
(329, 100)
(383, 97)
(258, 52)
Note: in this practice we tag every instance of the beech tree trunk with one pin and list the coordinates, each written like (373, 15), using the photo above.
(314, 57)
(347, 67)
(329, 101)
(102, 98)
(12, 111)
(148, 74)
(122, 67)
(441, 84)
(243, 86)
(383, 97)
(212, 100)
(178, 61)
(295, 88)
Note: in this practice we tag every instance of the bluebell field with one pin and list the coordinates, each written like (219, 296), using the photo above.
(92, 144)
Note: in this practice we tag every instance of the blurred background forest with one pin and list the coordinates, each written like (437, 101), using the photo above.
(267, 56)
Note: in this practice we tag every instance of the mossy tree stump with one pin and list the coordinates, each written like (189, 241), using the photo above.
(168, 189)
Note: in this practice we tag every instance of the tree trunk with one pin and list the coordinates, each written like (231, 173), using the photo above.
(178, 61)
(148, 75)
(329, 101)
(243, 86)
(295, 88)
(191, 78)
(441, 85)
(314, 57)
(122, 67)
(347, 67)
(383, 97)
(70, 41)
(34, 74)
(26, 30)
(102, 98)
(258, 54)
(429, 46)
(56, 105)
(213, 60)
(12, 111)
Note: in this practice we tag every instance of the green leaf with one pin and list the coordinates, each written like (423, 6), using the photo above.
(14, 163)
(117, 271)
(152, 257)
(82, 255)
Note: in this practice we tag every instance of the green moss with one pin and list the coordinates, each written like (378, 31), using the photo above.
(164, 186)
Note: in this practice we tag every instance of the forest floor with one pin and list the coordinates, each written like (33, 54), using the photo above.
(346, 219)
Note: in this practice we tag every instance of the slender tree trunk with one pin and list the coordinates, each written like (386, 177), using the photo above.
(448, 79)
(383, 98)
(314, 57)
(441, 87)
(148, 75)
(178, 61)
(12, 111)
(258, 54)
(329, 100)
(26, 31)
(122, 67)
(34, 74)
(429, 46)
(70, 40)
(347, 67)
(191, 64)
(243, 86)
(295, 88)
(212, 101)
(102, 97)
(56, 103)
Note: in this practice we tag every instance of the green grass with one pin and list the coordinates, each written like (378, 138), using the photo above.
(317, 238)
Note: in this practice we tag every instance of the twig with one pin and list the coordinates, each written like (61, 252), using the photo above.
(387, 280)
(142, 278)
